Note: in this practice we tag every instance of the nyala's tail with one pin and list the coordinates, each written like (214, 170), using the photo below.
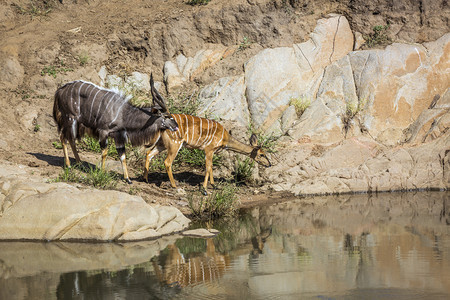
(57, 116)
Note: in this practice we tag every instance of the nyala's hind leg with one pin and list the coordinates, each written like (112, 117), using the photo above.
(104, 154)
(104, 147)
(74, 150)
(66, 154)
(69, 133)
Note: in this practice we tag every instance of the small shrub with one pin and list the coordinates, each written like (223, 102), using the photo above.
(89, 143)
(220, 203)
(57, 145)
(134, 191)
(37, 127)
(300, 104)
(244, 44)
(378, 36)
(243, 170)
(186, 157)
(24, 94)
(351, 110)
(35, 8)
(193, 157)
(197, 2)
(83, 58)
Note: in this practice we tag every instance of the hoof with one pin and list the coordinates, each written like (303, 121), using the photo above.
(203, 191)
(128, 181)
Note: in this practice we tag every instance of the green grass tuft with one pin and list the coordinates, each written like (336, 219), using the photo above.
(91, 176)
(54, 70)
(244, 44)
(197, 2)
(378, 36)
(221, 203)
(83, 58)
(243, 170)
(88, 143)
(300, 104)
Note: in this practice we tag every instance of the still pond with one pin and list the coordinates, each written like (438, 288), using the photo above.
(384, 246)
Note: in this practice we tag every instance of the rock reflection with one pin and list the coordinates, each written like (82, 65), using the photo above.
(20, 259)
(31, 270)
(352, 242)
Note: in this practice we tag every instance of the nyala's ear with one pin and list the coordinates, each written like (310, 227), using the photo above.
(253, 140)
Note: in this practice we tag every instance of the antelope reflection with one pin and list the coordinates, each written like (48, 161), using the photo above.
(183, 271)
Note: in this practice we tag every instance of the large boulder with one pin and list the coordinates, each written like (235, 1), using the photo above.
(35, 210)
(275, 76)
(380, 92)
(398, 83)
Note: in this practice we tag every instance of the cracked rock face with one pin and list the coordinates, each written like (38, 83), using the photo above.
(381, 116)
(56, 212)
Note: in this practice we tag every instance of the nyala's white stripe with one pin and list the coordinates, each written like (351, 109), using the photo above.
(212, 135)
(187, 127)
(117, 113)
(92, 104)
(193, 131)
(79, 100)
(200, 134)
(123, 94)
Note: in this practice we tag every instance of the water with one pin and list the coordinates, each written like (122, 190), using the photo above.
(386, 246)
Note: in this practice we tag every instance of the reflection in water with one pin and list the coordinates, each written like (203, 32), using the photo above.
(361, 246)
(176, 269)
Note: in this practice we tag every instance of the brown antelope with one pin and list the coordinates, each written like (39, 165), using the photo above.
(200, 133)
(83, 108)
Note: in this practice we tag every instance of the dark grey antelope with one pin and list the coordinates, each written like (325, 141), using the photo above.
(82, 108)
